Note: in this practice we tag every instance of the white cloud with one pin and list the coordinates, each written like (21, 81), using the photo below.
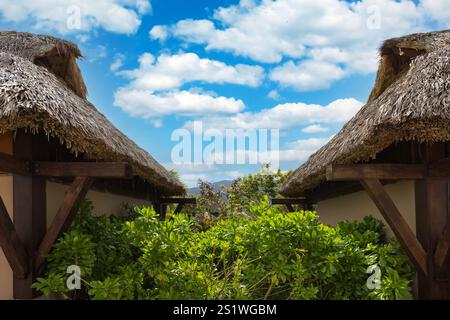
(338, 37)
(118, 62)
(119, 16)
(191, 179)
(172, 71)
(154, 89)
(315, 128)
(300, 150)
(269, 30)
(295, 155)
(158, 33)
(307, 75)
(191, 173)
(286, 115)
(146, 104)
(309, 144)
(92, 54)
(437, 10)
(274, 95)
(157, 123)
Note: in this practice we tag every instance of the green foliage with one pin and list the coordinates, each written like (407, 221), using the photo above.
(252, 189)
(53, 284)
(269, 254)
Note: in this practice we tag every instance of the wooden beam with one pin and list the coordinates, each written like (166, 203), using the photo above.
(289, 207)
(83, 169)
(397, 223)
(442, 253)
(177, 200)
(160, 209)
(64, 217)
(440, 169)
(12, 246)
(179, 208)
(375, 171)
(10, 164)
(286, 201)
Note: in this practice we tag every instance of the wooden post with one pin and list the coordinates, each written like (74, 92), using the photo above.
(431, 218)
(161, 209)
(413, 249)
(29, 202)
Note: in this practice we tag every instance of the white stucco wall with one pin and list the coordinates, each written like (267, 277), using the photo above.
(357, 205)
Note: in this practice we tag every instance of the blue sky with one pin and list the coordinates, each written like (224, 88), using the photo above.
(301, 66)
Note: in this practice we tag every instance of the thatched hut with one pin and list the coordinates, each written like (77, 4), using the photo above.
(50, 133)
(401, 139)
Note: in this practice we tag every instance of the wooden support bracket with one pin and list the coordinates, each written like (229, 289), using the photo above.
(397, 223)
(64, 217)
(12, 246)
(442, 253)
(289, 207)
(179, 207)
(161, 204)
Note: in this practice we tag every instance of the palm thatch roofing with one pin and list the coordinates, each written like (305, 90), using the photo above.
(42, 90)
(410, 102)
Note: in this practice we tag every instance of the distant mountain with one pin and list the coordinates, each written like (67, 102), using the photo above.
(216, 185)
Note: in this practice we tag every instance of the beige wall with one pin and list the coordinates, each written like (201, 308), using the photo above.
(104, 203)
(6, 275)
(357, 205)
(6, 192)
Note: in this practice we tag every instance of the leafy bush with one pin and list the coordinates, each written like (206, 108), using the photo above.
(269, 255)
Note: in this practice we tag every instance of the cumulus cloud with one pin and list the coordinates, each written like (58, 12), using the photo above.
(286, 115)
(437, 10)
(158, 33)
(119, 16)
(309, 144)
(300, 150)
(117, 62)
(307, 75)
(154, 87)
(297, 151)
(315, 128)
(147, 104)
(172, 71)
(336, 37)
(274, 95)
(269, 30)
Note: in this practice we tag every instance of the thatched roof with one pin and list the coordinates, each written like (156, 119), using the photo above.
(410, 101)
(41, 89)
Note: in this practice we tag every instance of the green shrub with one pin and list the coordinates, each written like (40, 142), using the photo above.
(270, 255)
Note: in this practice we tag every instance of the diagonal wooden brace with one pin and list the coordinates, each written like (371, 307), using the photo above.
(442, 253)
(397, 223)
(12, 246)
(64, 217)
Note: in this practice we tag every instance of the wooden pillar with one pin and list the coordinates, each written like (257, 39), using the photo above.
(29, 201)
(161, 209)
(431, 218)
